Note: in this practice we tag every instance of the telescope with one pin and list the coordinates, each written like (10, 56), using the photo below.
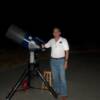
(24, 39)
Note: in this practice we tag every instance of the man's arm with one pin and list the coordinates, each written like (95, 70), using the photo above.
(47, 45)
(66, 59)
(66, 55)
(66, 49)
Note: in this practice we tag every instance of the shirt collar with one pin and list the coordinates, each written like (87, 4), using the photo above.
(60, 39)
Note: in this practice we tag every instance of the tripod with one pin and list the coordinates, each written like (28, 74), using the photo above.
(27, 73)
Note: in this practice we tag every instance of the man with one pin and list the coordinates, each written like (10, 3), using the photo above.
(59, 59)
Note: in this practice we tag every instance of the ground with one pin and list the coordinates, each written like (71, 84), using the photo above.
(83, 77)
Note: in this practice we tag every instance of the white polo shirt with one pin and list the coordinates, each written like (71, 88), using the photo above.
(58, 48)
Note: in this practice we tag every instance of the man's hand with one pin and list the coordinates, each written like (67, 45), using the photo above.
(65, 65)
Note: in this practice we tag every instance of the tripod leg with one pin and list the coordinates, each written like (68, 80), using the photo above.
(16, 86)
(29, 75)
(47, 84)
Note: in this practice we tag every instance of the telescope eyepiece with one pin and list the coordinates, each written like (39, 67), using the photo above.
(30, 37)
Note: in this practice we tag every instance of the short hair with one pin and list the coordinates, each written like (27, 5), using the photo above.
(56, 27)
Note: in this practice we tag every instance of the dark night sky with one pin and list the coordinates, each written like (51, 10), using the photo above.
(79, 26)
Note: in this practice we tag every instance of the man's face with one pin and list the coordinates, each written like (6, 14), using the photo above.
(56, 33)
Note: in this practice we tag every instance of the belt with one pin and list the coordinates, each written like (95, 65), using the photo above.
(57, 58)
